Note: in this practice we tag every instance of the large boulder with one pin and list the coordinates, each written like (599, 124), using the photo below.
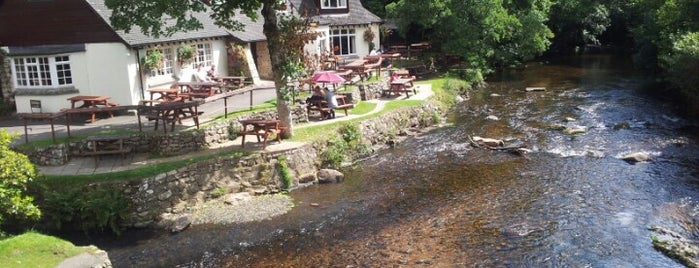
(330, 176)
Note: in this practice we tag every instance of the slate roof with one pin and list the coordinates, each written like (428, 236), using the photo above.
(251, 33)
(357, 13)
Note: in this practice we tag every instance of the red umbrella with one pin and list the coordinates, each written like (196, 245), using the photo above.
(327, 77)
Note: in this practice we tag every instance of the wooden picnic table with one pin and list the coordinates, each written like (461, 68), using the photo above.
(261, 128)
(232, 81)
(322, 106)
(91, 102)
(107, 145)
(199, 89)
(158, 95)
(401, 85)
(172, 112)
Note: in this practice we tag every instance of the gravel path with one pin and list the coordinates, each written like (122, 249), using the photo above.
(237, 208)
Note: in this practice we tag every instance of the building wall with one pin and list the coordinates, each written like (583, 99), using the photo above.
(184, 72)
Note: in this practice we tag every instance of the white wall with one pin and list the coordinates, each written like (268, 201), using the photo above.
(102, 69)
(184, 72)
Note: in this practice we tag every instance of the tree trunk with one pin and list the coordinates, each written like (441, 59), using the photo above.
(273, 34)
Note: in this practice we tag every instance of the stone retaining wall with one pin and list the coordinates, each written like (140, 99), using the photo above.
(164, 196)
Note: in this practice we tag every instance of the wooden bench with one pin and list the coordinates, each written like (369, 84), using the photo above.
(107, 145)
(262, 129)
(325, 111)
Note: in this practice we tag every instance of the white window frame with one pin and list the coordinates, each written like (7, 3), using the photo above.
(333, 4)
(42, 71)
(348, 46)
(204, 55)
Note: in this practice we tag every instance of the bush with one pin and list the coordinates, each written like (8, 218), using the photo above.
(680, 66)
(89, 208)
(16, 172)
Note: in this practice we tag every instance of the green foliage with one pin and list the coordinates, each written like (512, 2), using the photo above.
(218, 192)
(88, 208)
(285, 173)
(33, 249)
(344, 146)
(335, 153)
(185, 54)
(153, 60)
(681, 64)
(16, 172)
(486, 34)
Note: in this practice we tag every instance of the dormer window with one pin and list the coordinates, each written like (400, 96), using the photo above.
(333, 4)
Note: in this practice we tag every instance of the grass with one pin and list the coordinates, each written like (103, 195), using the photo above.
(32, 249)
(363, 107)
(131, 174)
(319, 131)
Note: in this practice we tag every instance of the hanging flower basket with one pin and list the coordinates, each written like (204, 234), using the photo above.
(153, 60)
(185, 54)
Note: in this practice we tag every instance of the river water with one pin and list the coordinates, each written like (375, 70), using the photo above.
(436, 201)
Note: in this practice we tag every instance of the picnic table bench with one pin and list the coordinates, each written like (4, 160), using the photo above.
(262, 129)
(322, 107)
(172, 112)
(399, 86)
(92, 105)
(107, 145)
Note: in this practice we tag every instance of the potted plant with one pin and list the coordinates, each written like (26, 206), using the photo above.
(153, 60)
(185, 54)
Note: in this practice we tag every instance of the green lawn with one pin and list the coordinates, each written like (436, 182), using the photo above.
(32, 249)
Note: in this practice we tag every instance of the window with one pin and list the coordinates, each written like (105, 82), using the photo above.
(43, 71)
(326, 4)
(342, 41)
(168, 59)
(204, 55)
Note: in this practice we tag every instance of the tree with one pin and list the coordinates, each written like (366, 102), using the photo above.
(485, 33)
(151, 17)
(16, 171)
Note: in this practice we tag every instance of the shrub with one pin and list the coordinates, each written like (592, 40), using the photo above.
(89, 208)
(284, 173)
(16, 172)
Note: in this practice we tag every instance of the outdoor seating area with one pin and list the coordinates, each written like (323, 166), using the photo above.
(107, 145)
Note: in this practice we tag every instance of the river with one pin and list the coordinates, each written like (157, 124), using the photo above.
(436, 201)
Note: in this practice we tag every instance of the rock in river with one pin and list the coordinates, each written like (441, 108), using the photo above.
(636, 157)
(330, 176)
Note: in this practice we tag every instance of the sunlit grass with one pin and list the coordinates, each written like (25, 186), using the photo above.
(32, 249)
(363, 107)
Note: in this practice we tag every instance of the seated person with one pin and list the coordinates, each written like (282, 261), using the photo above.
(332, 102)
(318, 95)
(200, 75)
(211, 73)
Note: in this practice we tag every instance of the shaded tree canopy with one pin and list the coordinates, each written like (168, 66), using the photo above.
(484, 33)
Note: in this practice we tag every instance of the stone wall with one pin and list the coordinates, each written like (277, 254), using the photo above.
(6, 87)
(162, 196)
